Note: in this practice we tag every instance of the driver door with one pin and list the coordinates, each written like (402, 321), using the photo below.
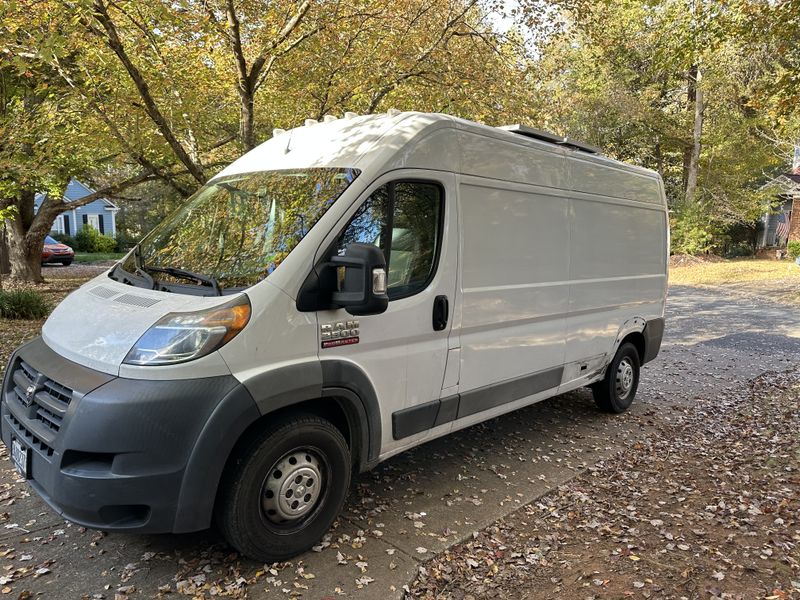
(411, 216)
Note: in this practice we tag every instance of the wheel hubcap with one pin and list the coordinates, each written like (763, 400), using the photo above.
(292, 487)
(624, 379)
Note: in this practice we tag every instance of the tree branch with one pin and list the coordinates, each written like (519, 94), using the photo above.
(114, 42)
(235, 39)
(265, 71)
(112, 127)
(55, 206)
(283, 35)
(445, 34)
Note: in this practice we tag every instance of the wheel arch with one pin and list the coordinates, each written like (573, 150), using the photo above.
(339, 407)
(632, 331)
(333, 389)
(312, 386)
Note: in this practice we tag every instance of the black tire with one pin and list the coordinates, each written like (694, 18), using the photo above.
(612, 394)
(245, 496)
(67, 262)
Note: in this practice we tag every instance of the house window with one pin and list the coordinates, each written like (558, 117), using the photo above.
(58, 226)
(93, 221)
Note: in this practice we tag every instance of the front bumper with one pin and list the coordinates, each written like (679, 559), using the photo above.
(122, 454)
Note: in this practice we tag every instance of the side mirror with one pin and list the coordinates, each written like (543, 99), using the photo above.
(362, 290)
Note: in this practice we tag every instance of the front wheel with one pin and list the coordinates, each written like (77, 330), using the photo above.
(284, 488)
(616, 391)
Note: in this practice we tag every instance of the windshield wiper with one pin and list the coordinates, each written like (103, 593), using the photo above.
(118, 273)
(183, 274)
(138, 263)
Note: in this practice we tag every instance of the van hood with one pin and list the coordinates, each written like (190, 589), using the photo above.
(98, 324)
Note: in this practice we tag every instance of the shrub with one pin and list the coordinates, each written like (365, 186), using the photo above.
(88, 239)
(105, 244)
(738, 250)
(794, 249)
(84, 239)
(22, 304)
(124, 243)
(691, 232)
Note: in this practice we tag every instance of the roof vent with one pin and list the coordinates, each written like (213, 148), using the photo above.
(350, 115)
(546, 136)
(392, 112)
(329, 118)
(309, 122)
(277, 131)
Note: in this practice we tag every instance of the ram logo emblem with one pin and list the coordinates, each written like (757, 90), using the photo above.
(29, 394)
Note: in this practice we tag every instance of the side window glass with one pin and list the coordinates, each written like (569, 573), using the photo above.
(403, 219)
(415, 237)
(368, 225)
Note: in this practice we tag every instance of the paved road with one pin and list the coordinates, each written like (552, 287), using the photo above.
(425, 500)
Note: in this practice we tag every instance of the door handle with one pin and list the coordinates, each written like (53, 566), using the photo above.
(441, 310)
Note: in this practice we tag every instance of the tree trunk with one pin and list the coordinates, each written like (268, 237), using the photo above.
(27, 228)
(245, 80)
(5, 266)
(247, 119)
(24, 252)
(693, 166)
(659, 155)
(691, 97)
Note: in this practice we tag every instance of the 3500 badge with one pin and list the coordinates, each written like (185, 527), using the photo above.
(341, 333)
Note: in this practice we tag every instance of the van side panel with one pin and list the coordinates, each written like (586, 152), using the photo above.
(618, 257)
(512, 160)
(594, 177)
(514, 266)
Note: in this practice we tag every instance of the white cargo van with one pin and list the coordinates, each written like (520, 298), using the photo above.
(345, 291)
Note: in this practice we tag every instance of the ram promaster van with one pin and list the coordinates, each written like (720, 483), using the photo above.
(345, 291)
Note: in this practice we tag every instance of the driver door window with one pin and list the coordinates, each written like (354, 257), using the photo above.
(404, 220)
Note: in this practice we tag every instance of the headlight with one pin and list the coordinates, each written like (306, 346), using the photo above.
(178, 337)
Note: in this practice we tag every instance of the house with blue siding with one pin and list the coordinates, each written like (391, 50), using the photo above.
(100, 214)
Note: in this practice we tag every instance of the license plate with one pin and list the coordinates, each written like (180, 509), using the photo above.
(21, 457)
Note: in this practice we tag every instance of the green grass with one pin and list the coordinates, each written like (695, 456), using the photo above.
(90, 257)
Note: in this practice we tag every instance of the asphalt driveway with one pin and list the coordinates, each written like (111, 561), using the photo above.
(421, 502)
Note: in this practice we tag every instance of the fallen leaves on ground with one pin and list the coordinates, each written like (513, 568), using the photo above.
(706, 506)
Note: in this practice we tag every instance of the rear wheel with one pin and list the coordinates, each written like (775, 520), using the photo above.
(616, 391)
(284, 488)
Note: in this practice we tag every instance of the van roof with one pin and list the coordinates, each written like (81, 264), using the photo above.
(361, 141)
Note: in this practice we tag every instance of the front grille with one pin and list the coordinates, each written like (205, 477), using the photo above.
(22, 432)
(48, 401)
(29, 371)
(59, 392)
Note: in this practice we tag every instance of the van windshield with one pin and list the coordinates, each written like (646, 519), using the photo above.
(235, 230)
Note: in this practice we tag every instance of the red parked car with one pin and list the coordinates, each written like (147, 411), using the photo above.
(56, 252)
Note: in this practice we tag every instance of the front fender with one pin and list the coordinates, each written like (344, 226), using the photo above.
(229, 420)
